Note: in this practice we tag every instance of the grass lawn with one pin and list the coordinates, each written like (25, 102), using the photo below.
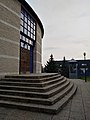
(87, 78)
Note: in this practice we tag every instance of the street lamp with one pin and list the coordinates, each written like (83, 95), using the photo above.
(85, 65)
(84, 55)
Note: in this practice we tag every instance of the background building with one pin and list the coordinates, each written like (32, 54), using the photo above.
(76, 68)
(21, 33)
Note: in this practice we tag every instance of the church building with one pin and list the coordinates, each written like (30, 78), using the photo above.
(21, 33)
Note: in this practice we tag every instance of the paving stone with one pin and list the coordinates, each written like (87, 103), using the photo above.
(77, 116)
(2, 118)
(16, 115)
(87, 109)
(87, 115)
(63, 113)
(60, 118)
(77, 109)
(37, 116)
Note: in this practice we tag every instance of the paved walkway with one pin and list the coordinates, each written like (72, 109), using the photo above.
(78, 108)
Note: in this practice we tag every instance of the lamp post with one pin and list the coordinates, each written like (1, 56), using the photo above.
(85, 65)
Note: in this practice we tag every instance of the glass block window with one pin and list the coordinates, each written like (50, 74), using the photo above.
(26, 42)
(27, 29)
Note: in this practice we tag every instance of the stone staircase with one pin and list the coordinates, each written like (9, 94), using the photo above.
(46, 93)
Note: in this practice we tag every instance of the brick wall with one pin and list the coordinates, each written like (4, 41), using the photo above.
(9, 36)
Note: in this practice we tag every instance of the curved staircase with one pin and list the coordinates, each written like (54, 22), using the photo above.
(46, 93)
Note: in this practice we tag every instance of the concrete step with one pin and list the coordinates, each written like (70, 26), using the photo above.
(35, 94)
(34, 83)
(34, 80)
(53, 109)
(35, 88)
(49, 101)
(33, 76)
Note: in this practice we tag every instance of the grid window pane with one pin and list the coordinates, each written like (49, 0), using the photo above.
(22, 22)
(28, 22)
(25, 31)
(26, 19)
(28, 28)
(25, 46)
(27, 40)
(32, 25)
(34, 37)
(22, 44)
(28, 47)
(29, 33)
(32, 30)
(24, 38)
(25, 25)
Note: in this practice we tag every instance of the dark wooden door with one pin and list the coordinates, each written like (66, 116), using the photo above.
(25, 60)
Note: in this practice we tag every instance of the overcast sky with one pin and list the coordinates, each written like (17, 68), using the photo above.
(67, 27)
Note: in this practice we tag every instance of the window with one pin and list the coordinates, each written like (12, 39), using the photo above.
(32, 25)
(26, 19)
(34, 32)
(27, 40)
(30, 42)
(25, 31)
(22, 44)
(34, 37)
(25, 25)
(29, 22)
(29, 33)
(23, 38)
(31, 30)
(25, 46)
(21, 22)
(28, 47)
(27, 28)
